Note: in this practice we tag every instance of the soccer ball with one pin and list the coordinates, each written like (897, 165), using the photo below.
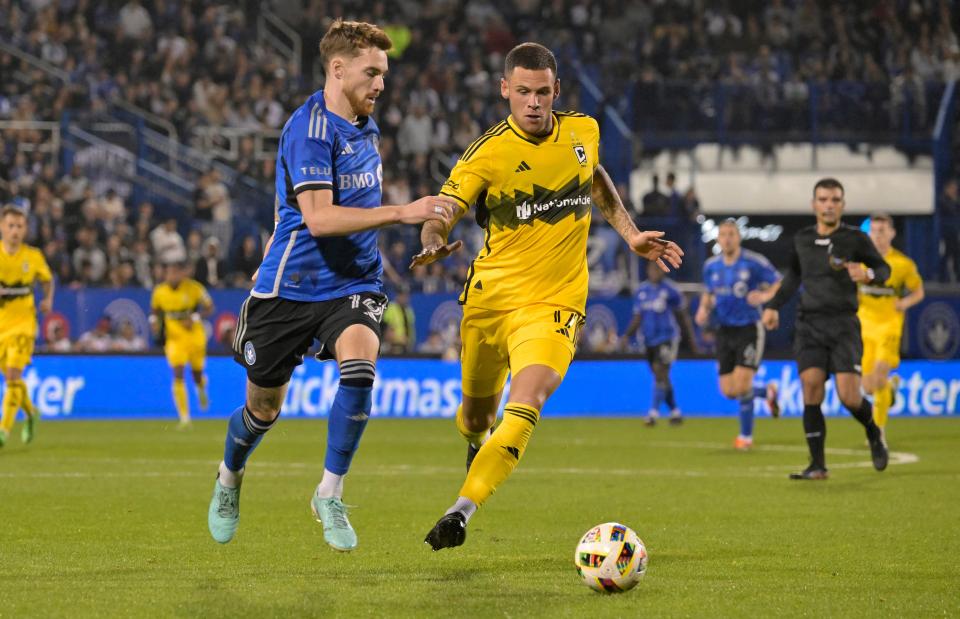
(610, 558)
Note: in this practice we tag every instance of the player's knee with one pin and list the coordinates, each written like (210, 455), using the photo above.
(12, 374)
(358, 373)
(479, 414)
(178, 372)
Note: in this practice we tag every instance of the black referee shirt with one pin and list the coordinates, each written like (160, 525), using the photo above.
(818, 264)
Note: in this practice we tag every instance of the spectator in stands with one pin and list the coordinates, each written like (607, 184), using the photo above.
(221, 208)
(127, 339)
(123, 275)
(655, 202)
(415, 132)
(400, 332)
(112, 210)
(89, 261)
(73, 187)
(948, 208)
(98, 339)
(673, 195)
(246, 262)
(57, 340)
(168, 245)
(209, 269)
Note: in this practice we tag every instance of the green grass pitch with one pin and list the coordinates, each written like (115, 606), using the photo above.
(109, 519)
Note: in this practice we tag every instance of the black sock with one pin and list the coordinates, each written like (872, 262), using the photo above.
(668, 396)
(815, 428)
(864, 414)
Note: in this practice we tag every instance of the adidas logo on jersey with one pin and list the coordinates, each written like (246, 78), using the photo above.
(523, 167)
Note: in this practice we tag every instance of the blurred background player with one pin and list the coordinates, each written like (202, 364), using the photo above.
(827, 262)
(737, 282)
(321, 277)
(660, 311)
(525, 295)
(882, 311)
(178, 307)
(21, 267)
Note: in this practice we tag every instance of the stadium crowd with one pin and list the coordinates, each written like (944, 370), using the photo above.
(198, 64)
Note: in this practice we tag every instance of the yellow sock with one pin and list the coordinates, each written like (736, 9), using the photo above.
(201, 384)
(25, 402)
(474, 438)
(12, 396)
(180, 399)
(501, 452)
(882, 400)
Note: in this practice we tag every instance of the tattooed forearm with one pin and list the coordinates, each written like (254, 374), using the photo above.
(611, 207)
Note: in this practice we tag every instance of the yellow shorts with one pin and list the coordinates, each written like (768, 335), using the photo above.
(16, 351)
(192, 350)
(880, 345)
(497, 342)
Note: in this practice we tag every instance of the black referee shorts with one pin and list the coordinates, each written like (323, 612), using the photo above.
(273, 334)
(829, 342)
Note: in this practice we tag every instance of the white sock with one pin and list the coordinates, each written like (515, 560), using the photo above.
(465, 506)
(331, 485)
(228, 478)
(675, 413)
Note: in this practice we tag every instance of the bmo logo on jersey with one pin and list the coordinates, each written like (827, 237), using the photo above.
(364, 180)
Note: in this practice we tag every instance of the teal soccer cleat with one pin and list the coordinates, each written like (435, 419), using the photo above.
(337, 532)
(224, 514)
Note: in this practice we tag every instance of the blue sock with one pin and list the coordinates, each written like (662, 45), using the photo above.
(658, 395)
(349, 414)
(668, 397)
(746, 416)
(760, 392)
(244, 432)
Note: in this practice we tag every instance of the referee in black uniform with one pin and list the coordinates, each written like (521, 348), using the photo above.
(828, 261)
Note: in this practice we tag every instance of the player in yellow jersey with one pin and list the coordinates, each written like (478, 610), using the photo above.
(21, 267)
(881, 314)
(534, 178)
(178, 306)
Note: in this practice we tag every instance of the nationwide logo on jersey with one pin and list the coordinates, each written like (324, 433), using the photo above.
(546, 205)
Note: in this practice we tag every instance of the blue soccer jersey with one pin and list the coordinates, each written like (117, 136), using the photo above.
(730, 284)
(320, 150)
(656, 304)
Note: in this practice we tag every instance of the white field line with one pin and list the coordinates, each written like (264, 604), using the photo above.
(295, 469)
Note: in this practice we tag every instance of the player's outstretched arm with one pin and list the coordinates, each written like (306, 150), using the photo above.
(686, 329)
(648, 244)
(433, 237)
(324, 218)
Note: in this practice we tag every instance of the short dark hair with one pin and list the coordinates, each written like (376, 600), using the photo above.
(531, 56)
(829, 183)
(349, 37)
(882, 217)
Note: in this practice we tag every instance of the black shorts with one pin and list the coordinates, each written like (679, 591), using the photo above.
(740, 346)
(274, 334)
(664, 353)
(831, 343)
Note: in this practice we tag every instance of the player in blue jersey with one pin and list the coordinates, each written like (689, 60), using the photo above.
(321, 276)
(738, 282)
(660, 311)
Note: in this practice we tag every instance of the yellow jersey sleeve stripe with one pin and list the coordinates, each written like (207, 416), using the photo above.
(486, 133)
(457, 198)
(473, 148)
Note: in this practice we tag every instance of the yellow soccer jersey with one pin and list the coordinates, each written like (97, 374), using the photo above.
(177, 304)
(877, 303)
(18, 275)
(533, 199)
